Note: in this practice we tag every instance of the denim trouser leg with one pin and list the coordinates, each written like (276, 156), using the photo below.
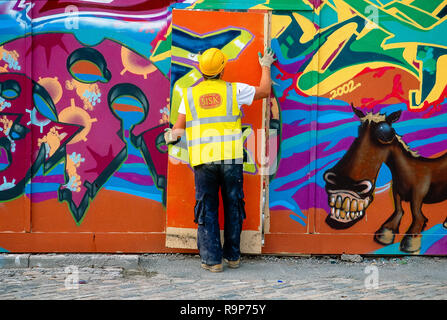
(206, 213)
(208, 179)
(232, 197)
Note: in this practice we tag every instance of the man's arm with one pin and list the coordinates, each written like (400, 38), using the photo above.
(179, 127)
(263, 90)
(265, 85)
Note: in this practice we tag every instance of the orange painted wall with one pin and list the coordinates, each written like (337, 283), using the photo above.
(245, 69)
(101, 180)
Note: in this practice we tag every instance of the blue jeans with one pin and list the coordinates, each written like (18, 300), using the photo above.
(208, 179)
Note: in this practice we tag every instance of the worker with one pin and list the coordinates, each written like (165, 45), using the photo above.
(210, 113)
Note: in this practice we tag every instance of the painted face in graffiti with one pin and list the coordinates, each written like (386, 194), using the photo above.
(20, 114)
(350, 183)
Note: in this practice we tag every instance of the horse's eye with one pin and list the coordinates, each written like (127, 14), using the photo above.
(384, 132)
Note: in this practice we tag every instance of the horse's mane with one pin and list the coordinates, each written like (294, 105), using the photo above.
(406, 147)
(377, 117)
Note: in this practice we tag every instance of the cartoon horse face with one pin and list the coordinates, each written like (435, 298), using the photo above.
(351, 182)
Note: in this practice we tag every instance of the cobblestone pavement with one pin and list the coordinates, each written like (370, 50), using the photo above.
(179, 277)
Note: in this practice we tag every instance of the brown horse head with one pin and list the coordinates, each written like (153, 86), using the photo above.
(350, 183)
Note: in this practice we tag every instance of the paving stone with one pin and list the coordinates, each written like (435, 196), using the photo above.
(351, 257)
(305, 278)
(84, 260)
(14, 260)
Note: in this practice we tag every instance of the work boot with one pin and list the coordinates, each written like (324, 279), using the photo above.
(213, 268)
(233, 264)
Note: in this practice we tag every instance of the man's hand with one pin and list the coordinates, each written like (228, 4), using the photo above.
(263, 90)
(169, 137)
(267, 59)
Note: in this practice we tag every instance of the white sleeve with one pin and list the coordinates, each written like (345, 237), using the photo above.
(244, 94)
(182, 108)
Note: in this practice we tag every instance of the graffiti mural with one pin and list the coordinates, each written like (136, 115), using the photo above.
(84, 102)
(22, 127)
(350, 183)
(88, 87)
(384, 58)
(186, 46)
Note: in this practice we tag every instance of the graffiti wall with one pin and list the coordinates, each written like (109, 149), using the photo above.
(367, 178)
(84, 101)
(357, 123)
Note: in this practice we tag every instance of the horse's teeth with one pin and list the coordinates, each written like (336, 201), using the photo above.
(332, 202)
(338, 202)
(361, 205)
(347, 208)
(354, 205)
(348, 215)
(347, 204)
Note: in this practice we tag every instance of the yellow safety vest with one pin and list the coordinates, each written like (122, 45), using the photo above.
(213, 122)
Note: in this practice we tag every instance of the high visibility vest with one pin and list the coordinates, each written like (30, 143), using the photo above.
(213, 122)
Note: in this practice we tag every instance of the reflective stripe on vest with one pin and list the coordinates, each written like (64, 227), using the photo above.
(225, 138)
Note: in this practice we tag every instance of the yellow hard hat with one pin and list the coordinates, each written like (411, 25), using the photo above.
(212, 62)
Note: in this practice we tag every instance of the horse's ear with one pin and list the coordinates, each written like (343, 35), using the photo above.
(393, 117)
(357, 112)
